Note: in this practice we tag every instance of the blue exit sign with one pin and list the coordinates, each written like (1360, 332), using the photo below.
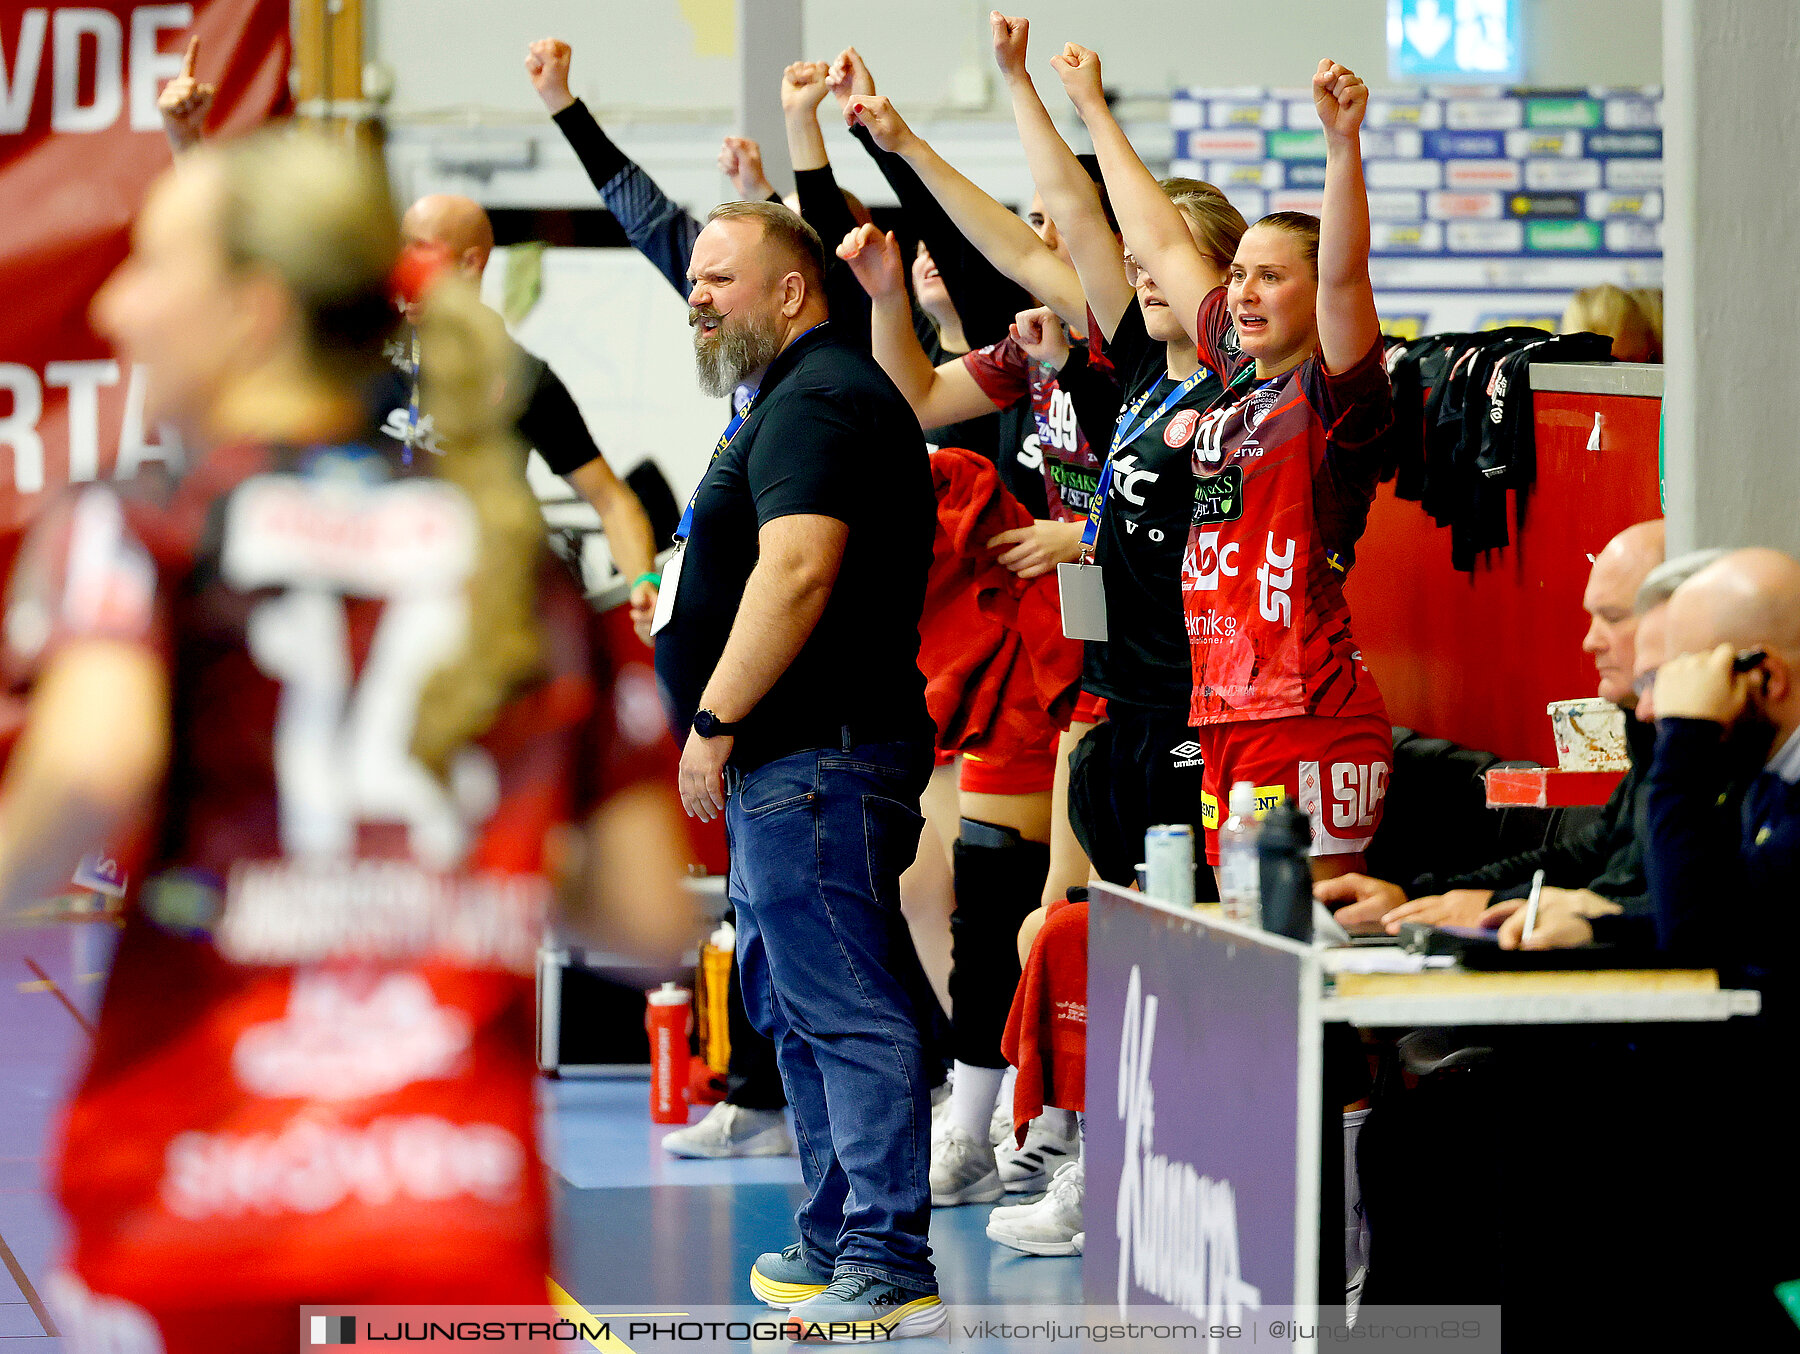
(1480, 41)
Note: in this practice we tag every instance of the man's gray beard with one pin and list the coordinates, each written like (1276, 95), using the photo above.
(735, 352)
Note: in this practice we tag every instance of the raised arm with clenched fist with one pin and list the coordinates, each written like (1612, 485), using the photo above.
(1341, 99)
(741, 161)
(1079, 69)
(875, 259)
(1010, 38)
(883, 121)
(849, 76)
(804, 87)
(547, 63)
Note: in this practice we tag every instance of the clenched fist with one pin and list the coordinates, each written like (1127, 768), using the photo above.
(1079, 69)
(1010, 36)
(884, 122)
(875, 260)
(804, 87)
(741, 160)
(1042, 335)
(1340, 98)
(547, 63)
(849, 77)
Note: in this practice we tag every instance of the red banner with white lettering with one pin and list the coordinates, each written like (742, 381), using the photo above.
(80, 143)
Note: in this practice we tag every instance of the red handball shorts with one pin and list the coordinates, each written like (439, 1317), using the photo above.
(1029, 772)
(1089, 709)
(1336, 769)
(1032, 771)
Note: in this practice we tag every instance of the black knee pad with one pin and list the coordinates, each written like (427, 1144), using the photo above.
(999, 882)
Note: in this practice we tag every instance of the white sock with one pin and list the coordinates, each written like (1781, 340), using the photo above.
(973, 1095)
(1059, 1122)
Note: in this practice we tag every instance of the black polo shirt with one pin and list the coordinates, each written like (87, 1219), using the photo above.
(829, 435)
(549, 420)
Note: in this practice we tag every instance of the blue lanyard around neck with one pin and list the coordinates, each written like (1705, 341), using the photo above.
(686, 528)
(1127, 432)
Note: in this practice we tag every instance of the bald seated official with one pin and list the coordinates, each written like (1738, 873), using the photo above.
(1568, 917)
(1724, 866)
(1601, 868)
(548, 420)
(1724, 863)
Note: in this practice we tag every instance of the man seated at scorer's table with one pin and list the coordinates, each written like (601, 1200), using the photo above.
(1602, 867)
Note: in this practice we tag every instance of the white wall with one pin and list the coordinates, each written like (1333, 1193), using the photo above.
(1733, 148)
(615, 331)
(662, 75)
(662, 58)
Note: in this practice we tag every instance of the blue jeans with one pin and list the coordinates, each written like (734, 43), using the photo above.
(818, 841)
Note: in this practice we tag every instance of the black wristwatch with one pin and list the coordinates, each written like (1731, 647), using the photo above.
(709, 725)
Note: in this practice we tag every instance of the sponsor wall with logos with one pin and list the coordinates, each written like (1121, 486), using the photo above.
(80, 144)
(1487, 207)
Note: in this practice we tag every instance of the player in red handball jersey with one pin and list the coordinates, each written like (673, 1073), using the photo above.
(1286, 464)
(356, 705)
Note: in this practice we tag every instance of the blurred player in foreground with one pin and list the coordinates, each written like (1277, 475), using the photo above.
(359, 708)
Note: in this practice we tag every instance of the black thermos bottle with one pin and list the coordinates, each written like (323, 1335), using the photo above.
(1284, 857)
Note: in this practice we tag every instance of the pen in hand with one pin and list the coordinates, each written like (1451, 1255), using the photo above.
(1531, 908)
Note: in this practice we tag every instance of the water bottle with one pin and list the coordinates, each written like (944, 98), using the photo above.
(1284, 853)
(666, 1015)
(1240, 887)
(1169, 863)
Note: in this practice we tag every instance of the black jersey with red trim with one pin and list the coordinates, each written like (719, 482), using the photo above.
(1143, 532)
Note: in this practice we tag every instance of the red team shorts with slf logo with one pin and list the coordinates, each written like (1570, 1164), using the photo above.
(1336, 769)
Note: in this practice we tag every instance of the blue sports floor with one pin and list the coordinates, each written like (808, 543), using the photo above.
(634, 1227)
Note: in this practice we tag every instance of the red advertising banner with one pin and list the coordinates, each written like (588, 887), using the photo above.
(80, 143)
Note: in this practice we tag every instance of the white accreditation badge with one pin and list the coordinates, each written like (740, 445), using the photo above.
(1083, 601)
(665, 596)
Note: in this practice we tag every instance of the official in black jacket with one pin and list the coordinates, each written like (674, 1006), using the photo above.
(1604, 863)
(1725, 867)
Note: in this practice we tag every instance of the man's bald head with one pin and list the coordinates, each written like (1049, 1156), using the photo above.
(457, 224)
(1639, 548)
(1750, 599)
(1622, 564)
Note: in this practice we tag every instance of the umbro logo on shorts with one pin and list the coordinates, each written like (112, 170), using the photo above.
(1186, 754)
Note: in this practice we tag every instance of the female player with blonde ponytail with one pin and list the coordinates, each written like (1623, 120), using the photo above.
(357, 704)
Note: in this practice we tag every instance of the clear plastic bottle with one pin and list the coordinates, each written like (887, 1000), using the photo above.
(1239, 870)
